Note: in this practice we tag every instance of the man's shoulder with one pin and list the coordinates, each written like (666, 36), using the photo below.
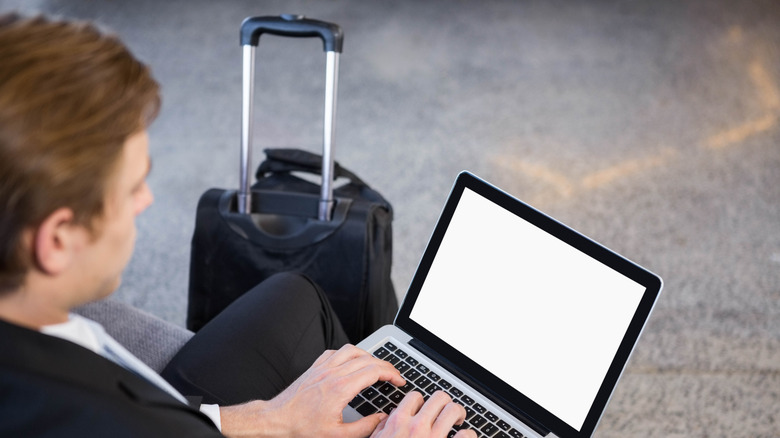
(54, 387)
(37, 406)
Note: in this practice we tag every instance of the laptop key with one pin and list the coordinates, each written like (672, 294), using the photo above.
(423, 369)
(369, 393)
(396, 397)
(503, 425)
(502, 435)
(432, 388)
(491, 416)
(400, 353)
(479, 408)
(461, 426)
(367, 409)
(393, 359)
(412, 361)
(357, 401)
(489, 429)
(381, 352)
(390, 346)
(387, 388)
(412, 375)
(423, 382)
(514, 433)
(468, 400)
(380, 401)
(402, 367)
(456, 392)
(469, 412)
(406, 388)
(478, 421)
(445, 384)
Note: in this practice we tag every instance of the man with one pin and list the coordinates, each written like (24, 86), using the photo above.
(74, 108)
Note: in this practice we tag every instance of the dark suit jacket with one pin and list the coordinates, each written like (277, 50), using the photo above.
(53, 387)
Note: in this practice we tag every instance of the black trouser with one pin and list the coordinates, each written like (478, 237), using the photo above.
(258, 345)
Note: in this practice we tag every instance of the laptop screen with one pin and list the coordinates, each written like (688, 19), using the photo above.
(525, 303)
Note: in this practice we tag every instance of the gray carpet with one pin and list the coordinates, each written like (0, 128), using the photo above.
(651, 126)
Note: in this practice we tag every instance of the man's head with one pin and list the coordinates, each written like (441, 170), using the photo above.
(74, 106)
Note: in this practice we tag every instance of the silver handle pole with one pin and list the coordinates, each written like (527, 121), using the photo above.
(245, 192)
(329, 134)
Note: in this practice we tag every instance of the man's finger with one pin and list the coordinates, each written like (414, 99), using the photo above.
(466, 433)
(380, 427)
(411, 404)
(344, 354)
(434, 406)
(452, 414)
(369, 370)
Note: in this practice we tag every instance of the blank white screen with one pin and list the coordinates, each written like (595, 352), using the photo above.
(540, 315)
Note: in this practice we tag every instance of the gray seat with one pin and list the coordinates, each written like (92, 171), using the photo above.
(151, 339)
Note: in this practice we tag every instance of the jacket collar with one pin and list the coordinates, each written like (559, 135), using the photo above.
(32, 352)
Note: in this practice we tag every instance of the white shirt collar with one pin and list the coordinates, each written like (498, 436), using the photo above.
(78, 330)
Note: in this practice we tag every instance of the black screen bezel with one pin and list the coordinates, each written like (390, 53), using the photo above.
(500, 391)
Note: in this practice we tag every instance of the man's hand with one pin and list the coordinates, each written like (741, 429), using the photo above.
(413, 419)
(313, 404)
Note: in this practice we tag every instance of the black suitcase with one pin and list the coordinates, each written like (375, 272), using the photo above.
(341, 238)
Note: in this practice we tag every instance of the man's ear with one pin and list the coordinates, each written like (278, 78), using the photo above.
(55, 240)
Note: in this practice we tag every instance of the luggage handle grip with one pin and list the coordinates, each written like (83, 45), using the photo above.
(296, 26)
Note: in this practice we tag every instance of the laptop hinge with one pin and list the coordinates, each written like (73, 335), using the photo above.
(495, 398)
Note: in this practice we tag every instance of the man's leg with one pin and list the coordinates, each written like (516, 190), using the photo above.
(258, 345)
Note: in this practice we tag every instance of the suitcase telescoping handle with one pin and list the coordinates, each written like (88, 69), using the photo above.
(299, 27)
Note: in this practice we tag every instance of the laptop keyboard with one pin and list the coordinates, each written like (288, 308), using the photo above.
(384, 396)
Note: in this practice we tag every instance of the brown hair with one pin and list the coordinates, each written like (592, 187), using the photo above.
(70, 96)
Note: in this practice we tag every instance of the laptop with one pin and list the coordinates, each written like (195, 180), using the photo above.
(525, 322)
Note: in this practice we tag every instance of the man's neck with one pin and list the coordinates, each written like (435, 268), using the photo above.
(30, 310)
